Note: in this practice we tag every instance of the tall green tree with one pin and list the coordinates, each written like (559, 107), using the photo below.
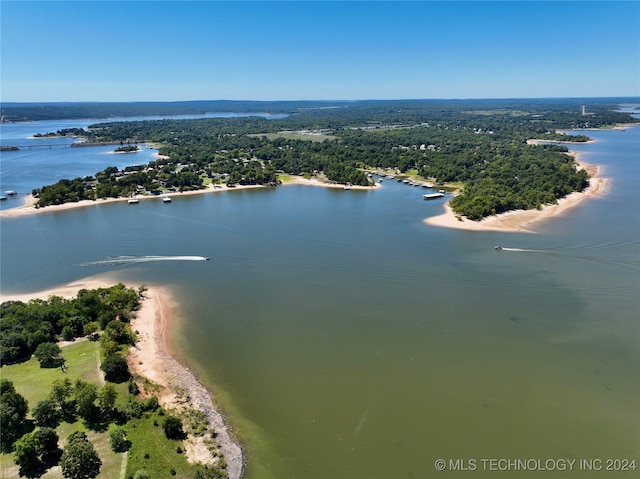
(48, 354)
(13, 411)
(118, 438)
(61, 391)
(116, 369)
(31, 449)
(118, 332)
(85, 395)
(46, 413)
(79, 459)
(26, 453)
(107, 396)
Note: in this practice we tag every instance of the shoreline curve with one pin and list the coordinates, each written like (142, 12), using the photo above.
(151, 357)
(28, 206)
(526, 221)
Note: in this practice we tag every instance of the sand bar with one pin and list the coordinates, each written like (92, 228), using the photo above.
(525, 221)
(151, 358)
(66, 291)
(299, 180)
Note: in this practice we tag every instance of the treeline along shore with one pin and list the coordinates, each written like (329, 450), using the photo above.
(122, 401)
(482, 148)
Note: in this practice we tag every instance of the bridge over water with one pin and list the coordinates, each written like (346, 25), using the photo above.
(22, 147)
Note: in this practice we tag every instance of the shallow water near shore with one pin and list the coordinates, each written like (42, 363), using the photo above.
(344, 338)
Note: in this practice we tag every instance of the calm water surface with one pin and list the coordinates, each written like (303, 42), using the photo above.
(344, 338)
(44, 161)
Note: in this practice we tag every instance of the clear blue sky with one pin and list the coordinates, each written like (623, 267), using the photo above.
(206, 50)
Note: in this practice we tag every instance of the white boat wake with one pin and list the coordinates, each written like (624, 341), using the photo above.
(627, 257)
(523, 250)
(143, 259)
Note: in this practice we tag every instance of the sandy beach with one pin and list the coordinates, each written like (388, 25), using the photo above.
(151, 358)
(298, 180)
(66, 291)
(28, 208)
(520, 220)
(525, 221)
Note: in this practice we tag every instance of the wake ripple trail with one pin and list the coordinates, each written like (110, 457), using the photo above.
(621, 258)
(523, 250)
(142, 259)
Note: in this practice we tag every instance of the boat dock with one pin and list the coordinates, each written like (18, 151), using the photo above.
(433, 196)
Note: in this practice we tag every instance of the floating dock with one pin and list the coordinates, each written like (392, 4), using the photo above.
(433, 196)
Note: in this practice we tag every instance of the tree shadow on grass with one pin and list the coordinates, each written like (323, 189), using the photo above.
(98, 422)
(46, 462)
(68, 414)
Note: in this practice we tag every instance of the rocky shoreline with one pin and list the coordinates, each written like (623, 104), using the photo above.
(151, 358)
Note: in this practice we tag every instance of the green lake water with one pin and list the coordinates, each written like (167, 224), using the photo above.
(344, 338)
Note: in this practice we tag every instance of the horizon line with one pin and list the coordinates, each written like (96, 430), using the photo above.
(7, 103)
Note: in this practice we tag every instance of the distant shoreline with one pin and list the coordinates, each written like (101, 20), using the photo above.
(28, 208)
(510, 221)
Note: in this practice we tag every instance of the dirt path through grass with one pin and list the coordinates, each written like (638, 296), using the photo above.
(123, 468)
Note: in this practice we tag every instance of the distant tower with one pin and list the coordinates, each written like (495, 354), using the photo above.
(584, 110)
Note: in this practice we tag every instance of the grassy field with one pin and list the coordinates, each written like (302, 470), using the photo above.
(284, 178)
(152, 452)
(33, 382)
(83, 362)
(290, 135)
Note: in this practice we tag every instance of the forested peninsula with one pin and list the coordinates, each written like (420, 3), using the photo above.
(93, 385)
(479, 147)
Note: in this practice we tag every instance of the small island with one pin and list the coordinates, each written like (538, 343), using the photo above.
(66, 132)
(127, 149)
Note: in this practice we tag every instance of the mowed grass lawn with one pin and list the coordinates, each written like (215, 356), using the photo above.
(315, 137)
(83, 362)
(34, 383)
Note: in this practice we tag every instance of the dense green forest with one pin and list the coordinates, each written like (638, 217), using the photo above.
(72, 110)
(15, 111)
(479, 143)
(24, 326)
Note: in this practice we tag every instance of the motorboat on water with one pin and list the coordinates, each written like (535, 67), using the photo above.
(498, 248)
